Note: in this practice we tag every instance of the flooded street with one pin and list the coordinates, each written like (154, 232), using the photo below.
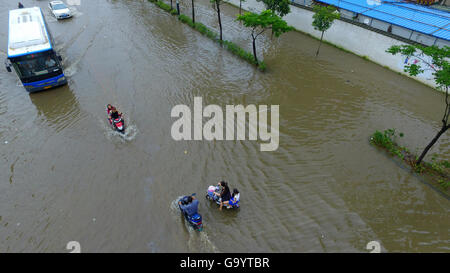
(66, 176)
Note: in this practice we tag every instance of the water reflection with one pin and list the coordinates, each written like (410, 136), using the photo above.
(58, 107)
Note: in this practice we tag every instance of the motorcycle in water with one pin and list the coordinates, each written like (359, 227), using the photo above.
(210, 195)
(118, 123)
(195, 220)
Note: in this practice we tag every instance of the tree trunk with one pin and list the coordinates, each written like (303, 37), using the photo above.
(254, 50)
(433, 141)
(240, 7)
(317, 53)
(193, 12)
(218, 14)
(171, 5)
(445, 126)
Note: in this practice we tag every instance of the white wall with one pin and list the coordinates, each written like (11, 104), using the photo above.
(356, 39)
(442, 43)
(401, 31)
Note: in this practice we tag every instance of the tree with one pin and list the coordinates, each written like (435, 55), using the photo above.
(193, 12)
(218, 3)
(323, 19)
(240, 6)
(436, 60)
(280, 7)
(262, 22)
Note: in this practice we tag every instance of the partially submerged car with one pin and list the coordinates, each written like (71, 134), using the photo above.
(59, 10)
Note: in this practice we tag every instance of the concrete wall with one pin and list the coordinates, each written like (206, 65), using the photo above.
(303, 2)
(347, 14)
(423, 39)
(358, 40)
(442, 43)
(378, 24)
(401, 31)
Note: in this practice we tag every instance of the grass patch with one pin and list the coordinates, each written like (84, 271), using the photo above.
(386, 140)
(230, 46)
(185, 19)
(166, 7)
(436, 172)
(206, 31)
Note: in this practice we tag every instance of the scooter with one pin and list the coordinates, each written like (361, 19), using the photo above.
(211, 196)
(195, 220)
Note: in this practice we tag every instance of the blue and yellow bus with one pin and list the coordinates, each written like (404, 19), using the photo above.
(30, 51)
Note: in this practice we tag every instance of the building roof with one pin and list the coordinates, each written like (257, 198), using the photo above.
(27, 32)
(415, 17)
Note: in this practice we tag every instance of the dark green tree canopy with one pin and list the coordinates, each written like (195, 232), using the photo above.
(280, 7)
(324, 17)
(262, 22)
(265, 20)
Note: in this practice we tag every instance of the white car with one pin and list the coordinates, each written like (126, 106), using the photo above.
(59, 10)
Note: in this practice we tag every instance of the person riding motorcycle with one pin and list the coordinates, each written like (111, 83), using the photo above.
(113, 113)
(191, 208)
(109, 108)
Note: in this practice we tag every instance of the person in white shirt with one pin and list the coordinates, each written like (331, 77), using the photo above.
(50, 62)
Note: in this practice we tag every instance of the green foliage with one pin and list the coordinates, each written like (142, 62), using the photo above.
(187, 20)
(418, 168)
(235, 49)
(262, 66)
(165, 7)
(205, 31)
(263, 21)
(444, 184)
(324, 17)
(280, 7)
(232, 47)
(198, 26)
(387, 140)
(438, 166)
(439, 170)
(437, 60)
(446, 164)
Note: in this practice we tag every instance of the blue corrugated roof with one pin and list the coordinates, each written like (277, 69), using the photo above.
(419, 18)
(443, 34)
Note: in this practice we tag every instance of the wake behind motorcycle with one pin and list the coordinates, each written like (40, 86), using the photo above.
(195, 221)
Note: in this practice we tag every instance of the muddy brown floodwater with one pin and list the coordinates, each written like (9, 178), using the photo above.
(64, 176)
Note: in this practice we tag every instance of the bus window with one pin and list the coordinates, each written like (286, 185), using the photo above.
(37, 66)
